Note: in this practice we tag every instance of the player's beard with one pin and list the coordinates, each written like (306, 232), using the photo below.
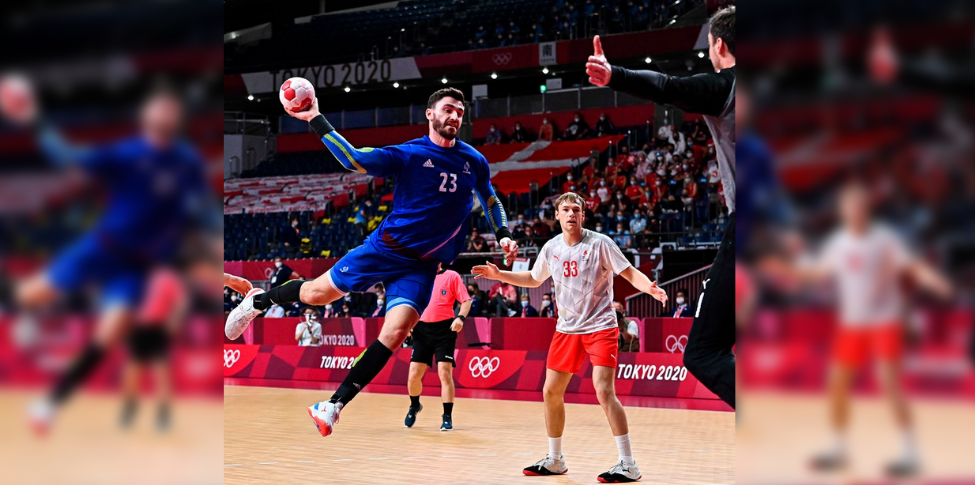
(441, 128)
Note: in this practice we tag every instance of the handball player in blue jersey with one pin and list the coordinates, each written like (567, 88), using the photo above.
(435, 176)
(155, 184)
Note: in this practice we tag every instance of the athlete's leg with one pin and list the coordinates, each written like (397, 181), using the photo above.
(553, 393)
(164, 386)
(604, 380)
(415, 382)
(446, 372)
(111, 324)
(130, 390)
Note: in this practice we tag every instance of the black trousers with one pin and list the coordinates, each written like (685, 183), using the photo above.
(708, 355)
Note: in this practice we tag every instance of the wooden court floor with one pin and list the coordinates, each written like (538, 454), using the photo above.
(269, 438)
(779, 433)
(87, 447)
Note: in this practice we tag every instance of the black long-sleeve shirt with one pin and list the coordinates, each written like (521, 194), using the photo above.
(706, 93)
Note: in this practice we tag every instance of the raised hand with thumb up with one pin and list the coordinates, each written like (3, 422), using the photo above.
(598, 68)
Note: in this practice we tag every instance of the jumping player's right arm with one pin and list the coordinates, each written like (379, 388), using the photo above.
(373, 161)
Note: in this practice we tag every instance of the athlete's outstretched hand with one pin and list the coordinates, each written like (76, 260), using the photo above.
(236, 283)
(487, 270)
(657, 293)
(510, 249)
(18, 102)
(598, 68)
(307, 114)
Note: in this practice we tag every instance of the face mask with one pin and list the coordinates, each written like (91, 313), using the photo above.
(570, 177)
(632, 182)
(277, 264)
(294, 224)
(689, 144)
(673, 172)
(577, 120)
(328, 307)
(492, 129)
(679, 300)
(684, 166)
(658, 182)
(545, 303)
(661, 172)
(524, 303)
(599, 228)
(602, 183)
(602, 118)
(544, 122)
(592, 194)
(380, 302)
(610, 164)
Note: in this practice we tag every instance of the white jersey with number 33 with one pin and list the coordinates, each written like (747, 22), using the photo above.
(583, 278)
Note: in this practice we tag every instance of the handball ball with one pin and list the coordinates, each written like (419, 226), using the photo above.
(297, 94)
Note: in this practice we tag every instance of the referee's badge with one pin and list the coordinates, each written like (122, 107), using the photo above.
(443, 292)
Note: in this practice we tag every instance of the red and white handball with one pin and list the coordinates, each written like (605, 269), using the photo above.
(297, 94)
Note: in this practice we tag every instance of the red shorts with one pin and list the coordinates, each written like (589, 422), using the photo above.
(567, 350)
(854, 346)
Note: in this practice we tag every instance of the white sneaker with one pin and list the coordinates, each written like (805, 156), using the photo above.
(41, 415)
(547, 466)
(621, 473)
(325, 415)
(243, 315)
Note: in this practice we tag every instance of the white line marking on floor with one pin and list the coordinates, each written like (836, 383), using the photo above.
(235, 464)
(449, 456)
(703, 451)
(305, 461)
(488, 455)
(379, 458)
(412, 457)
(269, 463)
(519, 454)
(345, 459)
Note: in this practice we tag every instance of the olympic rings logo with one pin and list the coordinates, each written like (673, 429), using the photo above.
(501, 59)
(230, 357)
(483, 366)
(676, 343)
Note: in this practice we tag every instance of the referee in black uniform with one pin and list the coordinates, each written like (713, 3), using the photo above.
(708, 355)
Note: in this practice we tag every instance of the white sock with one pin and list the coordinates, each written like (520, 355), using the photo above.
(555, 447)
(908, 446)
(626, 453)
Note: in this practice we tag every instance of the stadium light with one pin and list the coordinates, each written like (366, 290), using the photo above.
(647, 60)
(545, 70)
(395, 85)
(700, 55)
(494, 75)
(347, 89)
(444, 80)
(250, 97)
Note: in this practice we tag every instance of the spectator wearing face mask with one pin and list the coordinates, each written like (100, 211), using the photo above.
(623, 154)
(610, 172)
(664, 133)
(493, 136)
(604, 127)
(308, 333)
(676, 140)
(476, 244)
(599, 228)
(542, 231)
(578, 129)
(347, 311)
(330, 311)
(276, 311)
(668, 153)
(547, 131)
(569, 183)
(593, 202)
(633, 191)
(519, 134)
(603, 192)
(638, 223)
(548, 307)
(629, 340)
(643, 168)
(477, 298)
(682, 308)
(505, 298)
(380, 309)
(530, 240)
(526, 310)
(622, 236)
(620, 202)
(282, 273)
(290, 235)
(659, 190)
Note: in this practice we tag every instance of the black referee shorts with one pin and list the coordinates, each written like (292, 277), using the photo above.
(148, 344)
(434, 339)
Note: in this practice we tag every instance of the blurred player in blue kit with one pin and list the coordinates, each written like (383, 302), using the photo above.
(155, 186)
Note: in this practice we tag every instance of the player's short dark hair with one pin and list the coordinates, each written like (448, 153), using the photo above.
(445, 93)
(723, 27)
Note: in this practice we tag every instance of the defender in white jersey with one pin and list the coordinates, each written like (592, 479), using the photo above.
(867, 262)
(581, 264)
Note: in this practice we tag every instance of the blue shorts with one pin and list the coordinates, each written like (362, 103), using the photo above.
(407, 281)
(88, 262)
